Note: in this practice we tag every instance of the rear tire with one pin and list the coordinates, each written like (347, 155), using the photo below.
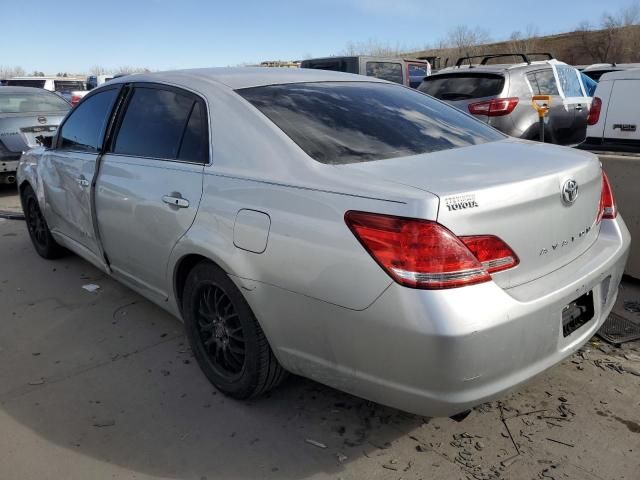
(225, 336)
(39, 232)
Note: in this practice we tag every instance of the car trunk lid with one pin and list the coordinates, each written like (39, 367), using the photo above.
(18, 131)
(511, 189)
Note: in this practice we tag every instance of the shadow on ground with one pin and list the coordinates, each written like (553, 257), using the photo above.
(109, 376)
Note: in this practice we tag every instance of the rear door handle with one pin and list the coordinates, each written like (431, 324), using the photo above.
(579, 107)
(176, 201)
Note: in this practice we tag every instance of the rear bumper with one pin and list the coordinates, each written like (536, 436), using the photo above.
(442, 352)
(10, 166)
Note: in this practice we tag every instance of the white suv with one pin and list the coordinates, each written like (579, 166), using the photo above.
(613, 122)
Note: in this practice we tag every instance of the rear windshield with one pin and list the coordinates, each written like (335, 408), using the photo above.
(348, 122)
(31, 102)
(462, 86)
(68, 85)
(26, 83)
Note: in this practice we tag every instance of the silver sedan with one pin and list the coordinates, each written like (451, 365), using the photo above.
(354, 231)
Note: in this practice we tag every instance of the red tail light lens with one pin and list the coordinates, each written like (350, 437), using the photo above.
(608, 209)
(75, 99)
(493, 253)
(494, 108)
(594, 111)
(424, 254)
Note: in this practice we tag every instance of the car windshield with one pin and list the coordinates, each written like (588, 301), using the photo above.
(348, 122)
(462, 86)
(31, 102)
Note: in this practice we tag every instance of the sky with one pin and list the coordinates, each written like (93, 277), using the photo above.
(73, 36)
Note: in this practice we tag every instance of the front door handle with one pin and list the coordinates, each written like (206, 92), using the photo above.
(579, 107)
(176, 201)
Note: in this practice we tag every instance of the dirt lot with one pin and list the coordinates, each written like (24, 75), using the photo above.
(102, 386)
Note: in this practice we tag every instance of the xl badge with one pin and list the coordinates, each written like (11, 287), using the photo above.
(569, 192)
(461, 202)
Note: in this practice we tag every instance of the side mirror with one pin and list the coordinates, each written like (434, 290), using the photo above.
(46, 142)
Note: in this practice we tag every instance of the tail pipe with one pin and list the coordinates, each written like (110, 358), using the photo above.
(8, 179)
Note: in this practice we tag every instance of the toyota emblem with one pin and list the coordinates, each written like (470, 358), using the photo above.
(42, 120)
(569, 192)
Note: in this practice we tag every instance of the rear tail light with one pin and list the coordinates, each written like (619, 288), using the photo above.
(494, 108)
(75, 99)
(608, 209)
(594, 111)
(424, 254)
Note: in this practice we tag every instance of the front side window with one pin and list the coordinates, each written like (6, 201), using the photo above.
(155, 123)
(543, 82)
(85, 127)
(568, 78)
(348, 122)
(32, 102)
(385, 70)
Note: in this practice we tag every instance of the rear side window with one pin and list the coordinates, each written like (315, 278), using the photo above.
(385, 70)
(569, 81)
(84, 128)
(543, 82)
(155, 123)
(195, 145)
(417, 70)
(462, 86)
(348, 122)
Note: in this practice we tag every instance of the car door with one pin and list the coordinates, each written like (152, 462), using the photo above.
(68, 169)
(150, 181)
(575, 100)
(559, 120)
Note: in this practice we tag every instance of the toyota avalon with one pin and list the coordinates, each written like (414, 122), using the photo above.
(343, 228)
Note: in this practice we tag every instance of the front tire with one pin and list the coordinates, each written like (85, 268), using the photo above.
(39, 232)
(225, 336)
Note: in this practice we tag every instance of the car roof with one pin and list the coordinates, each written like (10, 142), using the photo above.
(242, 77)
(611, 66)
(11, 89)
(633, 74)
(499, 68)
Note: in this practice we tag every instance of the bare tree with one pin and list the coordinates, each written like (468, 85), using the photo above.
(465, 40)
(373, 48)
(99, 70)
(9, 72)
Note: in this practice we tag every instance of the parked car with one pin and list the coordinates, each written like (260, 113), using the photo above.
(408, 72)
(614, 119)
(94, 81)
(70, 89)
(500, 95)
(596, 70)
(333, 225)
(25, 114)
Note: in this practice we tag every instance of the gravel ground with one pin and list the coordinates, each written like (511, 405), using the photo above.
(102, 385)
